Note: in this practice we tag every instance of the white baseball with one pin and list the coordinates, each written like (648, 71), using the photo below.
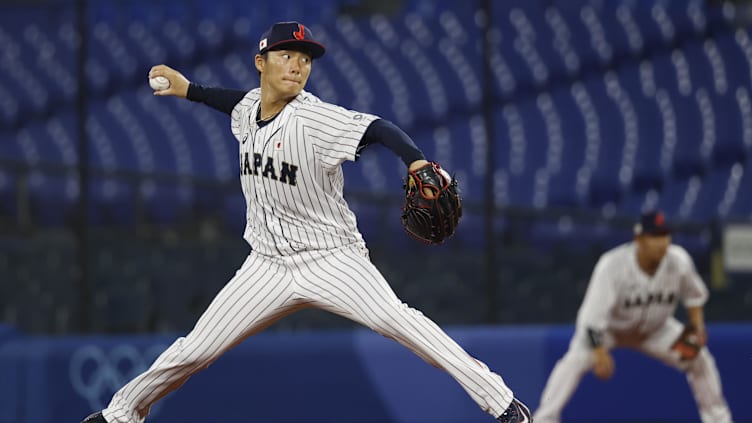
(159, 83)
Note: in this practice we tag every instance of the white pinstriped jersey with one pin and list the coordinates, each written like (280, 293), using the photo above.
(291, 175)
(621, 297)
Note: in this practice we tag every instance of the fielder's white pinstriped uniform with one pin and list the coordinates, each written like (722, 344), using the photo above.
(622, 300)
(307, 252)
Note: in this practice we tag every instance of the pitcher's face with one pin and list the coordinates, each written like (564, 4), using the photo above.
(284, 72)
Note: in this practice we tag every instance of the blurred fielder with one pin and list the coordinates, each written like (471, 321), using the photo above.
(630, 302)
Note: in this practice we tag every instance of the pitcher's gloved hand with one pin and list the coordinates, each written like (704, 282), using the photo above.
(432, 206)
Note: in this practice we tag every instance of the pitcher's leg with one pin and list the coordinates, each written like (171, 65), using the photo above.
(347, 283)
(255, 297)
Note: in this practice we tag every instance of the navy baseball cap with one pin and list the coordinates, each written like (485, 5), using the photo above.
(293, 36)
(652, 223)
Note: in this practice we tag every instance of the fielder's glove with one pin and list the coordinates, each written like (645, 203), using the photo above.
(432, 206)
(688, 344)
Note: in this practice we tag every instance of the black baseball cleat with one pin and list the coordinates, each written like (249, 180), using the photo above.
(516, 413)
(95, 418)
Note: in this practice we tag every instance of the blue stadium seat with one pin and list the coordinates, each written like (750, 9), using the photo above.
(553, 41)
(52, 62)
(180, 40)
(716, 16)
(731, 47)
(113, 202)
(711, 194)
(605, 184)
(10, 148)
(116, 144)
(428, 95)
(9, 109)
(704, 71)
(471, 233)
(623, 34)
(518, 53)
(672, 195)
(163, 133)
(564, 233)
(562, 184)
(741, 208)
(167, 203)
(62, 136)
(730, 140)
(634, 202)
(210, 141)
(510, 188)
(688, 158)
(367, 80)
(611, 123)
(648, 171)
(53, 198)
(588, 36)
(150, 132)
(25, 87)
(696, 244)
(652, 29)
(128, 130)
(147, 47)
(107, 44)
(605, 188)
(536, 140)
(36, 148)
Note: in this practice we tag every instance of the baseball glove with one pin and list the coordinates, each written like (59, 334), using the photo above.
(432, 206)
(688, 344)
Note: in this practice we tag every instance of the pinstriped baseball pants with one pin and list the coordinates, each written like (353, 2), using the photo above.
(265, 289)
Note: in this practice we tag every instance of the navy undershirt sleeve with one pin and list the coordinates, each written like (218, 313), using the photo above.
(222, 99)
(386, 133)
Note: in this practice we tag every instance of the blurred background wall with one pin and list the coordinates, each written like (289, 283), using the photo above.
(121, 213)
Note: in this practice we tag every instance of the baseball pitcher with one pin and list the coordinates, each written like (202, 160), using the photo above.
(306, 248)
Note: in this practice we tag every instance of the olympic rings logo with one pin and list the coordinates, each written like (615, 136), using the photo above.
(95, 373)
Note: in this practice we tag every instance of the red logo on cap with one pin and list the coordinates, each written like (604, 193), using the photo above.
(659, 219)
(300, 33)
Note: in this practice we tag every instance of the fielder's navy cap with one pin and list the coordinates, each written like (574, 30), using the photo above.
(652, 223)
(293, 36)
